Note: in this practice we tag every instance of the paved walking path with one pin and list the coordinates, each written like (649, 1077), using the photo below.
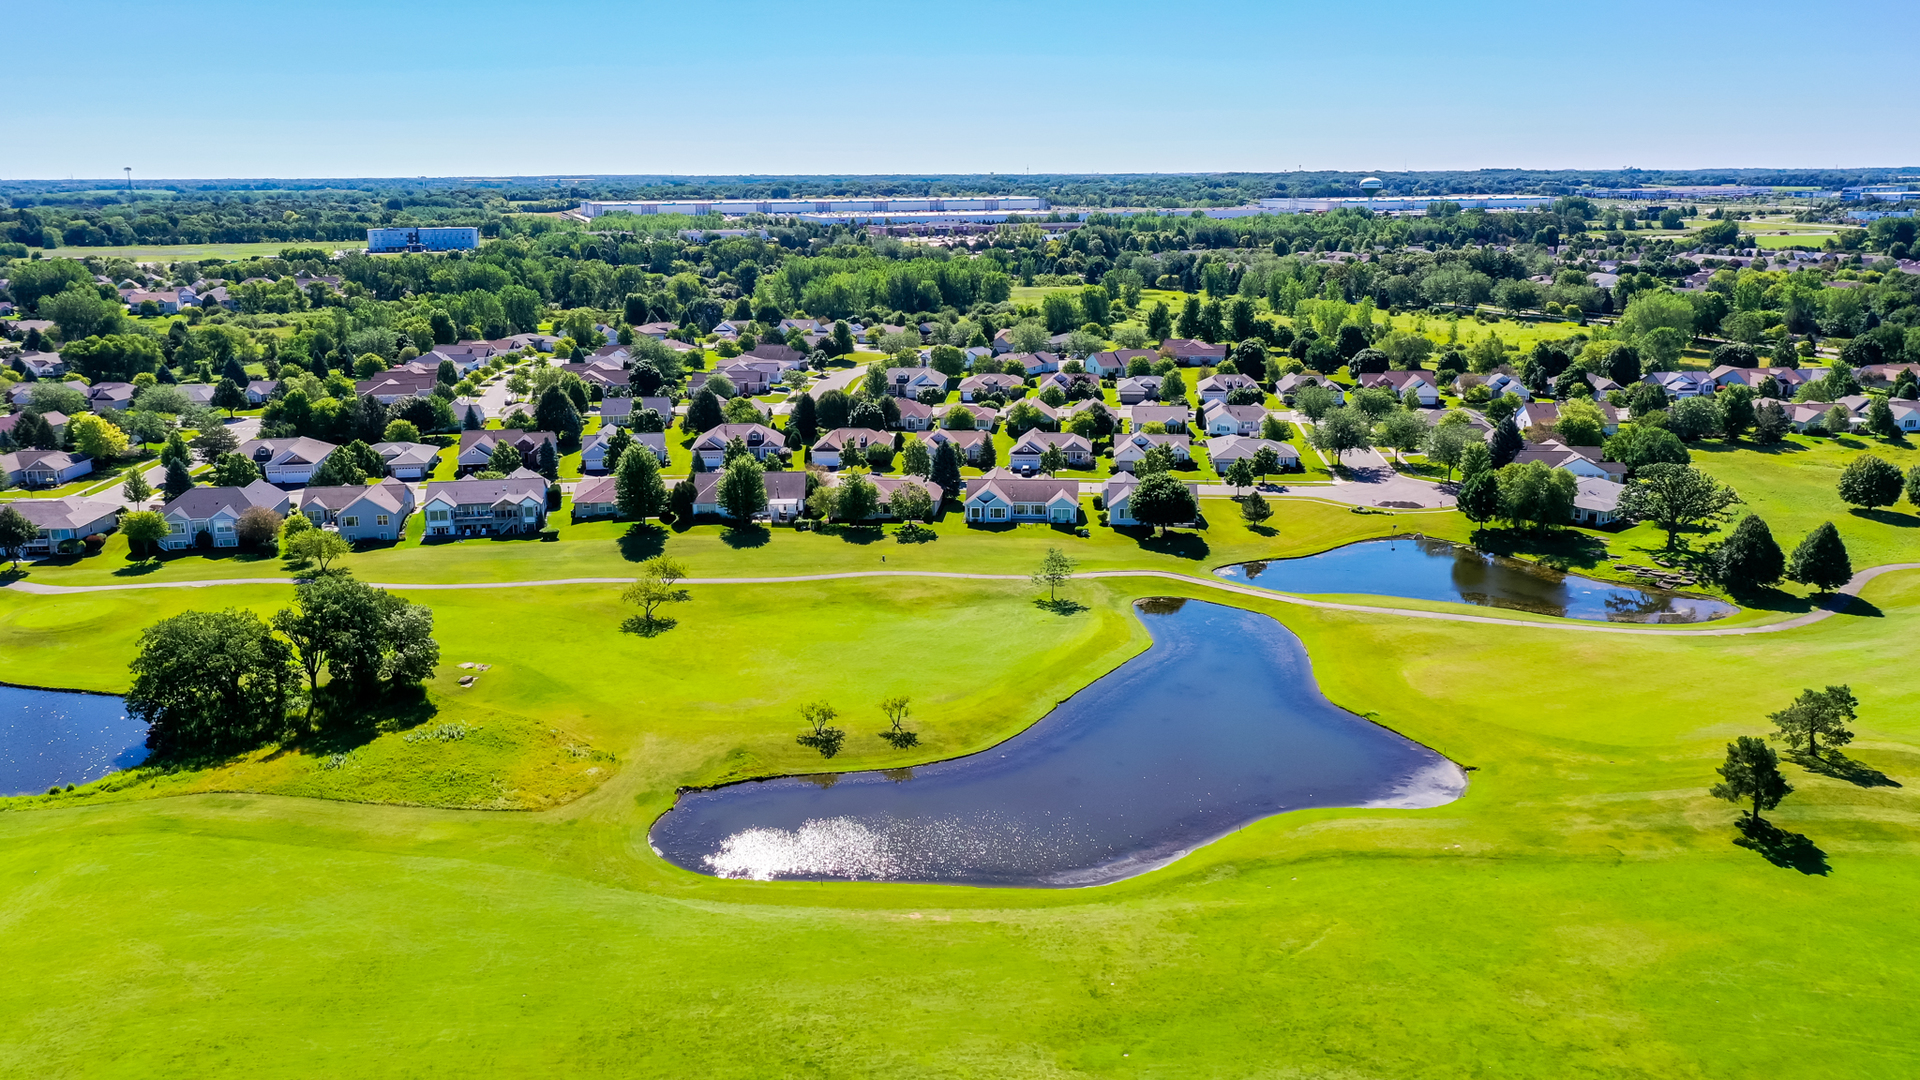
(1828, 606)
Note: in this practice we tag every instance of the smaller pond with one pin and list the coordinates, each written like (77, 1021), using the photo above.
(1217, 725)
(1419, 568)
(52, 738)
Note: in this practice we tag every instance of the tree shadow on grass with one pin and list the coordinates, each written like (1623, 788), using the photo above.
(741, 537)
(344, 723)
(1180, 545)
(645, 627)
(1839, 766)
(1060, 605)
(1887, 517)
(855, 534)
(642, 542)
(1787, 850)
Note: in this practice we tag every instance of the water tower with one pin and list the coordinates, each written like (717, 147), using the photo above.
(1371, 185)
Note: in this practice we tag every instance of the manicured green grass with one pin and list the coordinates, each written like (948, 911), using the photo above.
(1794, 486)
(1581, 911)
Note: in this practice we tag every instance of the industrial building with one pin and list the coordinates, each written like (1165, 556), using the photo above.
(1403, 203)
(416, 238)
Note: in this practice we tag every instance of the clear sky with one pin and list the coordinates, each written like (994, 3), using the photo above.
(244, 88)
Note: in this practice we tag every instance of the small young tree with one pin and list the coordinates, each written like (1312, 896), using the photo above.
(1821, 560)
(1817, 714)
(1749, 560)
(1240, 474)
(136, 490)
(16, 532)
(823, 737)
(1266, 461)
(1752, 773)
(1870, 481)
(1255, 509)
(657, 586)
(896, 709)
(257, 527)
(319, 548)
(144, 529)
(1055, 570)
(1052, 459)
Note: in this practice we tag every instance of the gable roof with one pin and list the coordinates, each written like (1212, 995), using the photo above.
(68, 513)
(718, 437)
(204, 502)
(296, 451)
(781, 486)
(389, 494)
(1009, 487)
(517, 486)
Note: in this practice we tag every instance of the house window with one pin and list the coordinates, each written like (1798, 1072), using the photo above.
(997, 513)
(349, 522)
(527, 511)
(223, 526)
(380, 519)
(437, 515)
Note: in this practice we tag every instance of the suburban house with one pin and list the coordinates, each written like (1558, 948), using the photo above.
(965, 443)
(1129, 449)
(55, 419)
(1596, 501)
(22, 392)
(287, 461)
(618, 411)
(408, 460)
(1547, 413)
(476, 447)
(213, 511)
(914, 416)
(833, 446)
(1578, 460)
(981, 385)
(1033, 364)
(1877, 376)
(387, 387)
(1500, 384)
(1072, 409)
(1800, 414)
(1288, 385)
(102, 396)
(748, 377)
(1681, 384)
(1117, 497)
(1001, 497)
(361, 512)
(1790, 380)
(890, 484)
(787, 357)
(596, 497)
(514, 505)
(1190, 353)
(1138, 388)
(1602, 386)
(1227, 449)
(786, 495)
(46, 365)
(1112, 365)
(469, 412)
(600, 375)
(467, 356)
(1025, 455)
(711, 449)
(1174, 416)
(912, 382)
(165, 301)
(1071, 382)
(593, 450)
(1401, 381)
(1220, 419)
(64, 522)
(44, 468)
(984, 416)
(260, 390)
(1217, 387)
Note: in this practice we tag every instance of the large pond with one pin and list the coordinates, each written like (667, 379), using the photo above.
(1217, 725)
(51, 738)
(1423, 569)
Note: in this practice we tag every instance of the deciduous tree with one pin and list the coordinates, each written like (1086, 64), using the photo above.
(657, 586)
(1055, 570)
(1674, 497)
(210, 682)
(1870, 481)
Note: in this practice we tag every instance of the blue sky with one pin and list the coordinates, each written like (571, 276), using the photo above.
(491, 87)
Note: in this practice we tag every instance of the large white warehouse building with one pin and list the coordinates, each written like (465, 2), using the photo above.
(415, 238)
(854, 207)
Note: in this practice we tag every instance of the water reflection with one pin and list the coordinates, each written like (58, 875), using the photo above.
(1217, 725)
(51, 738)
(1420, 568)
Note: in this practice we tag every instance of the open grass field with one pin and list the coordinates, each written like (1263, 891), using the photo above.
(195, 252)
(1582, 911)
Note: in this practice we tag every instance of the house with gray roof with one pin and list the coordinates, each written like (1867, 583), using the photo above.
(360, 512)
(213, 512)
(287, 461)
(1002, 498)
(64, 522)
(513, 505)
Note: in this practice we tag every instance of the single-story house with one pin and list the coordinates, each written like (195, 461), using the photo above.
(1500, 384)
(1578, 460)
(1027, 449)
(786, 357)
(44, 468)
(45, 365)
(1602, 386)
(1790, 380)
(596, 497)
(1001, 497)
(593, 450)
(985, 417)
(476, 447)
(1681, 384)
(600, 375)
(1190, 353)
(1217, 387)
(1400, 381)
(914, 416)
(1117, 497)
(710, 449)
(55, 419)
(408, 460)
(1547, 413)
(259, 390)
(287, 461)
(1175, 417)
(1129, 449)
(22, 392)
(786, 495)
(361, 511)
(215, 510)
(1596, 501)
(1227, 449)
(1288, 385)
(1800, 414)
(1220, 419)
(887, 485)
(1138, 388)
(1070, 382)
(831, 446)
(912, 382)
(514, 505)
(102, 396)
(65, 521)
(965, 443)
(983, 384)
(1112, 365)
(198, 393)
(393, 384)
(469, 413)
(1033, 364)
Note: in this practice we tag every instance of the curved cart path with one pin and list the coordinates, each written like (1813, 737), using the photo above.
(1828, 606)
